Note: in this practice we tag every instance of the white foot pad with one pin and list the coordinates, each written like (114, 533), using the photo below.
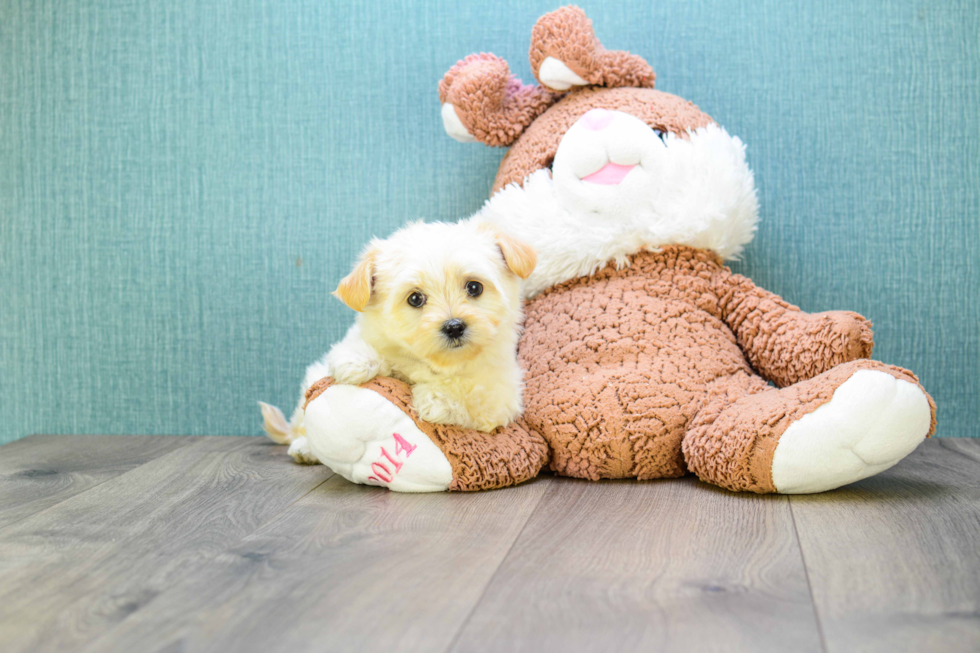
(555, 74)
(454, 126)
(366, 439)
(872, 422)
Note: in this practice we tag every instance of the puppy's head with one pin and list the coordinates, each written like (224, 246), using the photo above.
(441, 292)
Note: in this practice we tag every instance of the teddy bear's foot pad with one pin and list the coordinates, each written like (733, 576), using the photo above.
(368, 440)
(872, 421)
(555, 74)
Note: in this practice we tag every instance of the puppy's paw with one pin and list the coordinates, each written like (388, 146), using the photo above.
(436, 407)
(498, 407)
(299, 451)
(354, 370)
(488, 425)
(352, 361)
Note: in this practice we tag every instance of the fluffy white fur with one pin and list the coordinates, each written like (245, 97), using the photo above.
(697, 192)
(474, 381)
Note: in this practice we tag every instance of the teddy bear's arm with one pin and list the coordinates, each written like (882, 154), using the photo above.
(783, 343)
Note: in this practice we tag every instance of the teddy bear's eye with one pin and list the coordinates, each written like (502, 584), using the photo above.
(416, 299)
(474, 288)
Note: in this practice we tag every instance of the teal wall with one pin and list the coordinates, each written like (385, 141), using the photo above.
(182, 182)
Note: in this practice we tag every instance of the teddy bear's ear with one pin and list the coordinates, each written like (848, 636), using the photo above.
(482, 101)
(355, 289)
(566, 53)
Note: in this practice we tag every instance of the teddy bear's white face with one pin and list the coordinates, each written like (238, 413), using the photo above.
(618, 187)
(609, 162)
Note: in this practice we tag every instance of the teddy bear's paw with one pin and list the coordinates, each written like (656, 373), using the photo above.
(871, 422)
(368, 440)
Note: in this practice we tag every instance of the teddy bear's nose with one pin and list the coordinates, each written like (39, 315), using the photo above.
(597, 119)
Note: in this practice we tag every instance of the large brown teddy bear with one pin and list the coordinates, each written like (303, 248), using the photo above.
(645, 356)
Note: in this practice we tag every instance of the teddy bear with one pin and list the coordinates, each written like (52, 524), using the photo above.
(645, 357)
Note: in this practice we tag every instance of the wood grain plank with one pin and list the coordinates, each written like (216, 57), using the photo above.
(969, 447)
(41, 470)
(660, 566)
(894, 560)
(347, 568)
(69, 573)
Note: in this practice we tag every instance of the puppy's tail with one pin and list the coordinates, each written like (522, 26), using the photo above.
(275, 425)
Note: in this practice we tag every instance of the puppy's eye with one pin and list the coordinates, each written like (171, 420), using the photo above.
(474, 288)
(416, 300)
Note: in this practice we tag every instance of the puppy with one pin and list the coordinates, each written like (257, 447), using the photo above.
(439, 307)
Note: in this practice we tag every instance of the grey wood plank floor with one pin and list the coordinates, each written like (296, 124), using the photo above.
(894, 561)
(40, 471)
(122, 543)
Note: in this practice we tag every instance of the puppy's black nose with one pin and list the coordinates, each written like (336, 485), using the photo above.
(454, 328)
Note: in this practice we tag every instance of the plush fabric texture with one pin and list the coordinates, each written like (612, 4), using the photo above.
(536, 147)
(699, 192)
(784, 344)
(480, 461)
(492, 104)
(495, 106)
(732, 440)
(567, 35)
(644, 372)
(628, 367)
(871, 422)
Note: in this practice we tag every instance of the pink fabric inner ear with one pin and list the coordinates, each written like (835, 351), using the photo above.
(597, 119)
(609, 174)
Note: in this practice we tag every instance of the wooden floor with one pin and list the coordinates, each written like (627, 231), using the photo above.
(111, 543)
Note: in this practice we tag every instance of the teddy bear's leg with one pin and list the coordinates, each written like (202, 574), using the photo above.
(849, 423)
(360, 435)
(370, 434)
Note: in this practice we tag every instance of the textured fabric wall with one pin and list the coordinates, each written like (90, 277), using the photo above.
(183, 182)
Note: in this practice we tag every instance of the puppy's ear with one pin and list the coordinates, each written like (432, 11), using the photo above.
(518, 255)
(355, 289)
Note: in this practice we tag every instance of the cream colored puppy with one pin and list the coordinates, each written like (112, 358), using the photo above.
(439, 307)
